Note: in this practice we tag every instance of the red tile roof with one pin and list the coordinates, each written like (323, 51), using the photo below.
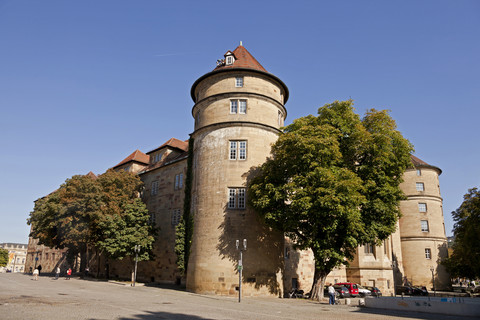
(137, 156)
(91, 175)
(243, 59)
(418, 163)
(174, 143)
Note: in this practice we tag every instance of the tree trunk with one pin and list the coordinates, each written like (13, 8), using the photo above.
(318, 285)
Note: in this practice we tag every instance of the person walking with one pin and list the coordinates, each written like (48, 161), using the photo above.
(69, 273)
(57, 273)
(331, 294)
(35, 274)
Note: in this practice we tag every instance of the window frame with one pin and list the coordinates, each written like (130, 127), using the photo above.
(237, 150)
(239, 82)
(422, 207)
(424, 226)
(238, 106)
(428, 253)
(420, 186)
(237, 198)
(154, 188)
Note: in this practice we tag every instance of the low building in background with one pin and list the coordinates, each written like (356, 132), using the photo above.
(17, 253)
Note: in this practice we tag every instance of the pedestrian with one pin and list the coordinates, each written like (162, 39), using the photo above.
(69, 273)
(87, 270)
(35, 274)
(39, 268)
(57, 273)
(331, 294)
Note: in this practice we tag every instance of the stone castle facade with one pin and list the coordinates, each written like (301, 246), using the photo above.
(239, 109)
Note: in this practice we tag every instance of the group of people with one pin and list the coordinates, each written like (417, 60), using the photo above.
(37, 270)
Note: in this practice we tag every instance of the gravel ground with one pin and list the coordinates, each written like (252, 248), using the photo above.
(23, 298)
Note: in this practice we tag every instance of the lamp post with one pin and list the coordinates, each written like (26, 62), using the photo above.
(240, 266)
(394, 265)
(137, 250)
(432, 269)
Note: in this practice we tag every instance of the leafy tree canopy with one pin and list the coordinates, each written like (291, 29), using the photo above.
(103, 212)
(332, 183)
(465, 259)
(3, 257)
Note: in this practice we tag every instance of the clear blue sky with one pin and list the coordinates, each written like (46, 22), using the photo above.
(85, 83)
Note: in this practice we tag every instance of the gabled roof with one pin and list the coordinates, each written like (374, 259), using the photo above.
(173, 143)
(243, 59)
(137, 156)
(419, 163)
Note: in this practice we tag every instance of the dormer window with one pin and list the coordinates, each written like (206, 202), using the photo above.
(229, 58)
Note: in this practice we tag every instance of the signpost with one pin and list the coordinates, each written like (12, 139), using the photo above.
(137, 250)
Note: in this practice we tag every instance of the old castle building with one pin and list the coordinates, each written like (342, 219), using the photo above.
(239, 109)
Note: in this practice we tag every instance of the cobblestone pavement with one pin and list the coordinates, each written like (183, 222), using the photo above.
(23, 298)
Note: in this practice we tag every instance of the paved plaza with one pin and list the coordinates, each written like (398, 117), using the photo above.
(23, 298)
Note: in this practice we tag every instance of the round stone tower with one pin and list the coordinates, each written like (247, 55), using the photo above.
(239, 108)
(422, 228)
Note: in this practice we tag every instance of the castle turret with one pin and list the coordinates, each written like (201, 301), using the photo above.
(422, 228)
(238, 111)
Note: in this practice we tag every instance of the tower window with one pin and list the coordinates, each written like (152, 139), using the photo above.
(239, 82)
(420, 186)
(238, 150)
(424, 225)
(229, 60)
(419, 172)
(422, 207)
(428, 253)
(238, 106)
(236, 198)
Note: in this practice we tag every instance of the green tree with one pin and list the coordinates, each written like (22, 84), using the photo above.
(465, 259)
(3, 257)
(332, 184)
(66, 217)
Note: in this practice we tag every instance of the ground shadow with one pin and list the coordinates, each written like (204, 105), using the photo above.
(163, 315)
(407, 314)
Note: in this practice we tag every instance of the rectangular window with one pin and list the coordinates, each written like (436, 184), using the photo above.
(238, 106)
(239, 82)
(176, 217)
(420, 186)
(153, 218)
(369, 248)
(419, 172)
(424, 225)
(233, 106)
(154, 190)
(179, 181)
(236, 198)
(428, 253)
(242, 106)
(238, 150)
(422, 207)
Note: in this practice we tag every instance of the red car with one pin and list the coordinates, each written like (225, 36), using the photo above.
(352, 287)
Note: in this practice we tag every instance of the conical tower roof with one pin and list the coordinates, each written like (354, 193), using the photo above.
(419, 163)
(243, 61)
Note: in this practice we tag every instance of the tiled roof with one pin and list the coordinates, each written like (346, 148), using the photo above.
(243, 59)
(418, 163)
(137, 156)
(174, 143)
(91, 175)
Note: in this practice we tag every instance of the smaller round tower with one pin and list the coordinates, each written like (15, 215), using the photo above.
(422, 227)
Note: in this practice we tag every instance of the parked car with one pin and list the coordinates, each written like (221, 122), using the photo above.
(375, 291)
(363, 292)
(420, 291)
(405, 290)
(340, 291)
(352, 287)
